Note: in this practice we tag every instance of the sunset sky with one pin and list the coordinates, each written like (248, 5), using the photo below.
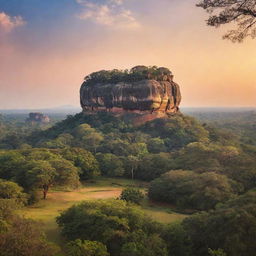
(48, 46)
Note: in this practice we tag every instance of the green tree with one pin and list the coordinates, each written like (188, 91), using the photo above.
(11, 163)
(66, 173)
(156, 145)
(24, 238)
(177, 240)
(132, 195)
(131, 163)
(39, 154)
(151, 166)
(12, 140)
(110, 165)
(11, 190)
(177, 131)
(84, 160)
(200, 156)
(86, 248)
(232, 227)
(140, 244)
(138, 149)
(7, 210)
(111, 222)
(88, 137)
(190, 190)
(119, 147)
(92, 141)
(62, 141)
(40, 174)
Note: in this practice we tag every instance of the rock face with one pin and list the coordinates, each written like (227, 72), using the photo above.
(141, 96)
(37, 117)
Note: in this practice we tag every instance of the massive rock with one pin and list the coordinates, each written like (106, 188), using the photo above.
(142, 96)
(37, 117)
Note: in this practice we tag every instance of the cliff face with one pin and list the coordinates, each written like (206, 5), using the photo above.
(147, 95)
(38, 118)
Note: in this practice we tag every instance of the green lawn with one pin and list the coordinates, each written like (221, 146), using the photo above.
(46, 211)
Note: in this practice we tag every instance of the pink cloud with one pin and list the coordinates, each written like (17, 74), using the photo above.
(8, 23)
(110, 13)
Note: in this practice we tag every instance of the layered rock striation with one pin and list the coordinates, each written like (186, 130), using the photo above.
(150, 94)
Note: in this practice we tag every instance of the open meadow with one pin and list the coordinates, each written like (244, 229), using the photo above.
(57, 201)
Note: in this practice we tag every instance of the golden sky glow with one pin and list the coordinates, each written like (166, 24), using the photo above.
(43, 66)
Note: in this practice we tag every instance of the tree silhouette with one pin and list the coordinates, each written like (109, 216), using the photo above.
(242, 13)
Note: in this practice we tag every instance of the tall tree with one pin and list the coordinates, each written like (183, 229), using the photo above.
(40, 175)
(132, 162)
(240, 12)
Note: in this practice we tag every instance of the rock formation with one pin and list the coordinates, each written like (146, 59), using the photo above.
(139, 90)
(37, 117)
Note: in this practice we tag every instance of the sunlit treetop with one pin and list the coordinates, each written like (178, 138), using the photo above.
(137, 73)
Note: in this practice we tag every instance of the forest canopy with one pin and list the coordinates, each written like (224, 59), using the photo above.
(203, 171)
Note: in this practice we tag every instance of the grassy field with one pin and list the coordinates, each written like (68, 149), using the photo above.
(46, 211)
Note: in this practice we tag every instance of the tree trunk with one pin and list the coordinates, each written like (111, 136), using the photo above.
(45, 190)
(132, 173)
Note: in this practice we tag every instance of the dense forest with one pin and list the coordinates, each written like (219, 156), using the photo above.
(204, 168)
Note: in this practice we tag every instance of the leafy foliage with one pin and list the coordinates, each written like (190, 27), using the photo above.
(39, 169)
(189, 190)
(110, 165)
(137, 73)
(240, 12)
(82, 159)
(11, 190)
(231, 227)
(24, 238)
(86, 248)
(177, 239)
(123, 228)
(132, 195)
(219, 159)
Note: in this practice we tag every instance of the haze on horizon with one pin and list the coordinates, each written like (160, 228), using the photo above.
(47, 47)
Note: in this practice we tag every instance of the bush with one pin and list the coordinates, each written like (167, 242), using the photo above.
(11, 190)
(190, 190)
(116, 224)
(86, 248)
(132, 195)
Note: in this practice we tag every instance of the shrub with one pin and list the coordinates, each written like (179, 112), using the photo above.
(86, 248)
(132, 195)
(190, 190)
(116, 224)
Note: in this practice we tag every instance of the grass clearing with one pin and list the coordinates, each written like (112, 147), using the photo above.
(57, 201)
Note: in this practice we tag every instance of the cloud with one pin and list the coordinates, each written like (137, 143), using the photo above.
(110, 13)
(117, 2)
(8, 23)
